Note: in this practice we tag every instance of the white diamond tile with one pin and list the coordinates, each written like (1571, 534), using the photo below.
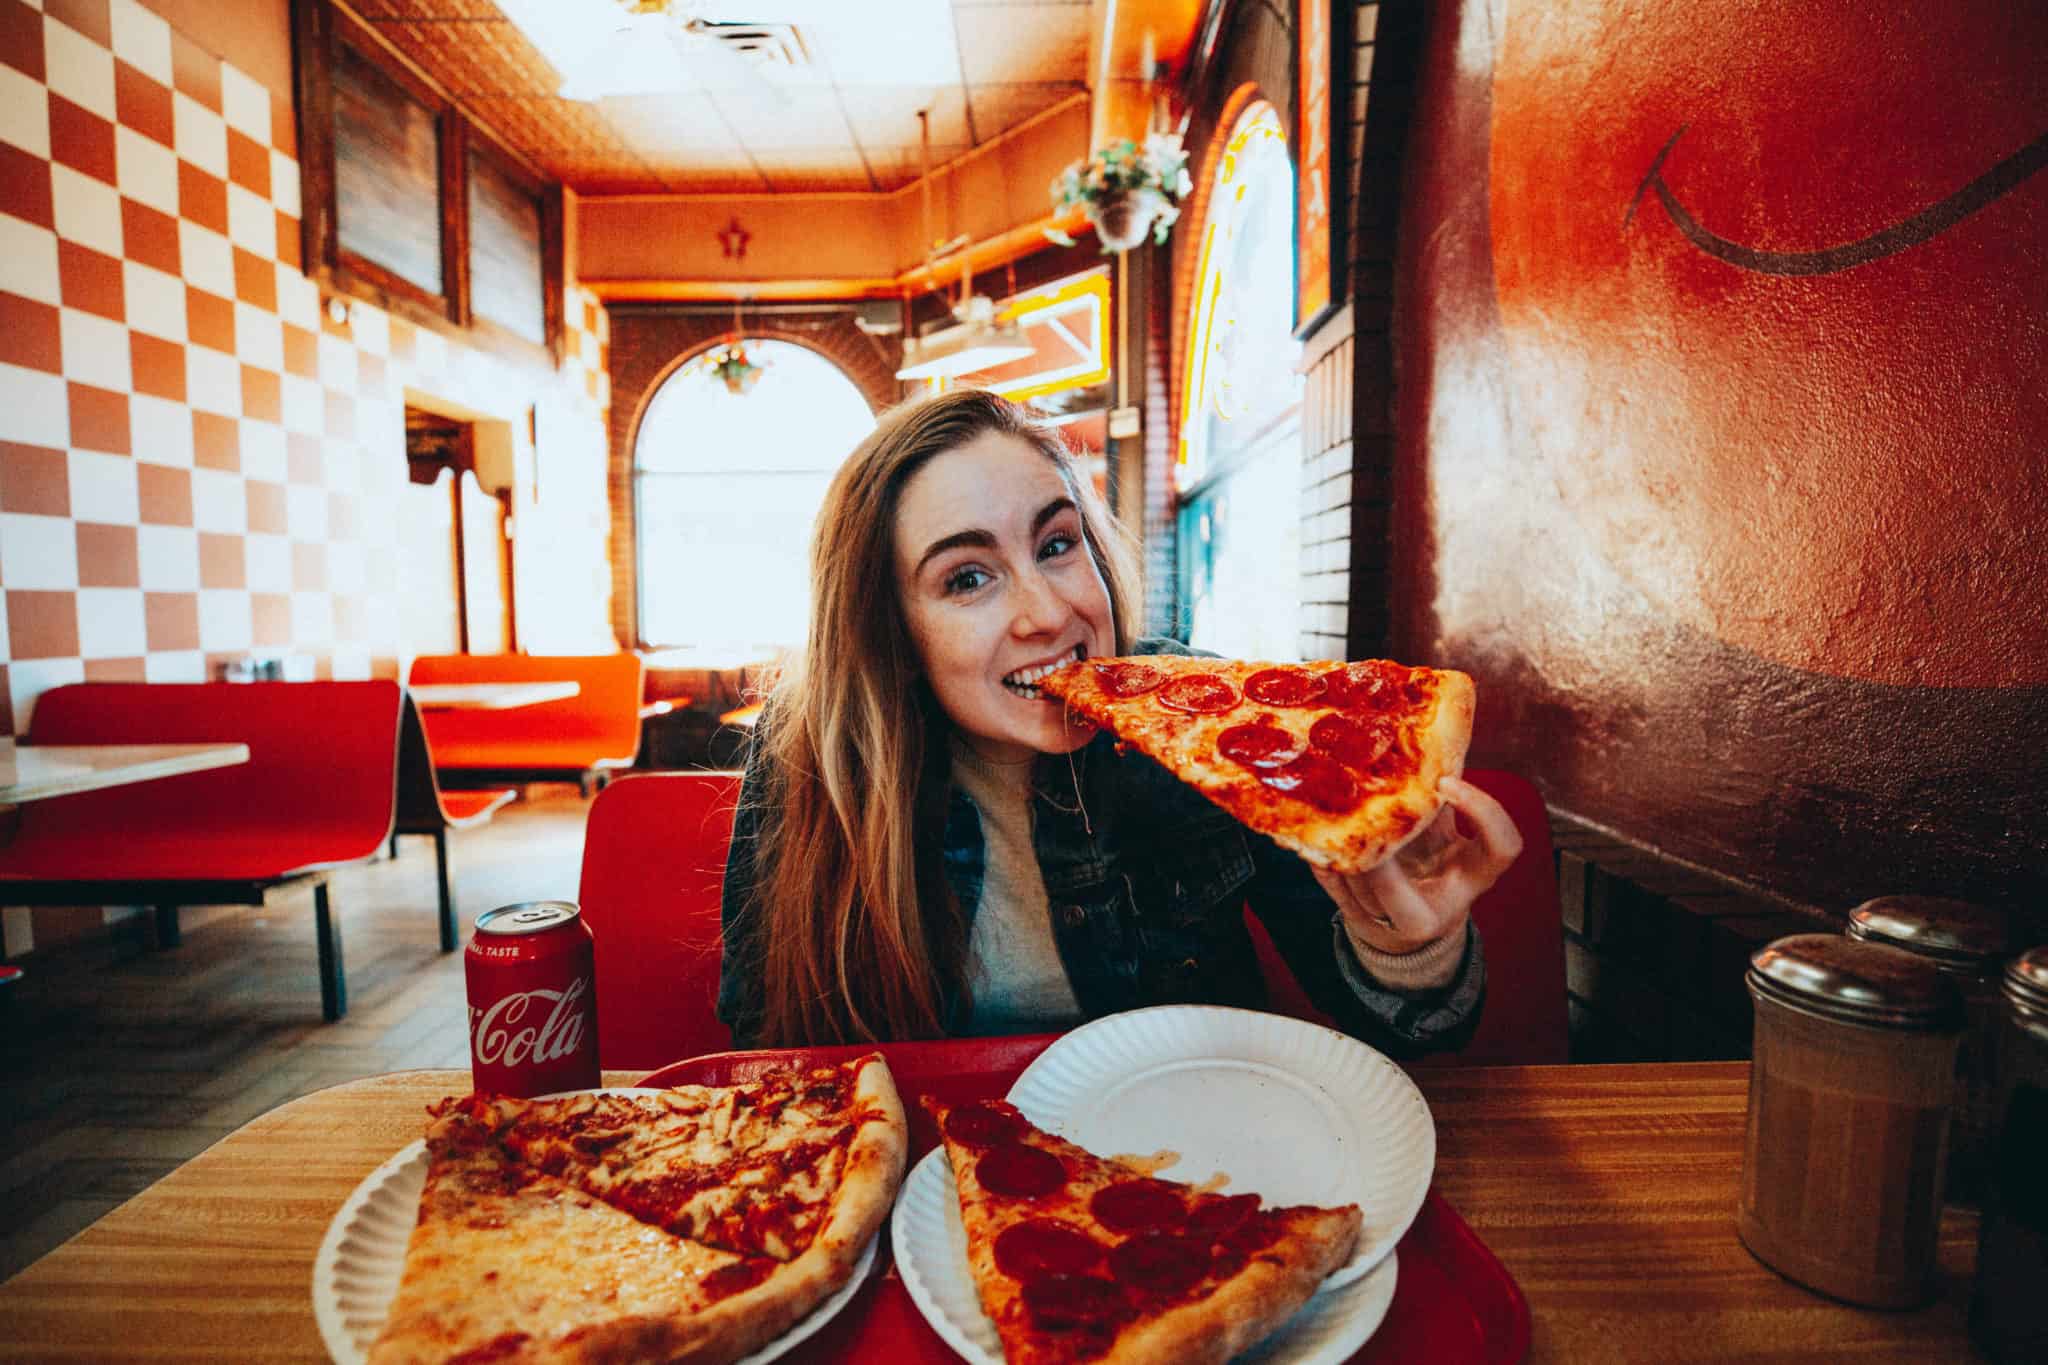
(213, 381)
(175, 666)
(162, 431)
(95, 350)
(270, 562)
(206, 259)
(86, 211)
(200, 135)
(24, 112)
(219, 502)
(224, 619)
(252, 223)
(142, 40)
(264, 451)
(78, 68)
(146, 171)
(111, 623)
(28, 258)
(38, 409)
(259, 337)
(103, 488)
(169, 558)
(245, 103)
(38, 553)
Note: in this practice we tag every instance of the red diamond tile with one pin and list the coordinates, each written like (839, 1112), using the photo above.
(261, 395)
(222, 563)
(202, 198)
(42, 625)
(172, 619)
(34, 480)
(87, 16)
(116, 670)
(158, 366)
(30, 335)
(301, 352)
(107, 557)
(271, 615)
(309, 567)
(25, 185)
(304, 462)
(80, 139)
(248, 163)
(142, 104)
(255, 280)
(267, 507)
(216, 442)
(288, 240)
(88, 280)
(149, 238)
(165, 494)
(21, 38)
(209, 320)
(99, 419)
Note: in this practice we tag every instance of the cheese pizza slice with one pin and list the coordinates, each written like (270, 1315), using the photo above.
(1337, 761)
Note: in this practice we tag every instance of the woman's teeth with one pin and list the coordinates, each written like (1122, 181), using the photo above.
(1024, 681)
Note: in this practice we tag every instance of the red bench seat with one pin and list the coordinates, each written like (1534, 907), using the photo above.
(318, 792)
(574, 739)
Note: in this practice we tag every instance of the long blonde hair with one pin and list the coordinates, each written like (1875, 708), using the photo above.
(858, 933)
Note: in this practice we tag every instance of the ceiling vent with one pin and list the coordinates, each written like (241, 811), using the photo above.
(767, 44)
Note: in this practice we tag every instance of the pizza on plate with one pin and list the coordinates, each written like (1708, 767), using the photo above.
(1338, 762)
(1078, 1257)
(697, 1223)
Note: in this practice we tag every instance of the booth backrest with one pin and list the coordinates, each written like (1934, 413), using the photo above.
(653, 865)
(1522, 927)
(600, 725)
(322, 759)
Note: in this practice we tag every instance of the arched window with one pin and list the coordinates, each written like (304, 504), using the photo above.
(726, 487)
(1238, 475)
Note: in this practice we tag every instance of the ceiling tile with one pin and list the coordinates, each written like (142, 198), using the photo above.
(1006, 106)
(801, 118)
(1022, 42)
(886, 115)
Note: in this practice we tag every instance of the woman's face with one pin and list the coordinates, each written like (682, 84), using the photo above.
(998, 586)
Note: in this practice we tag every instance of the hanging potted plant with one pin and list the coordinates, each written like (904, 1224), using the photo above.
(1126, 191)
(735, 368)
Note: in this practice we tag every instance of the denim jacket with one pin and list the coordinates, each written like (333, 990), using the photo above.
(1146, 881)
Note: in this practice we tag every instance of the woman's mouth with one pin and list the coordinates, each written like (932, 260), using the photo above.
(1024, 682)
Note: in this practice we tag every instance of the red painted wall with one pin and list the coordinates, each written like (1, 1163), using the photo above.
(1724, 425)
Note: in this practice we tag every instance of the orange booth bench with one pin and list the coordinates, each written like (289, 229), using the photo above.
(578, 739)
(318, 792)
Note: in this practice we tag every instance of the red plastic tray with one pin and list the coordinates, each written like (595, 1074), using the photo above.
(1453, 1300)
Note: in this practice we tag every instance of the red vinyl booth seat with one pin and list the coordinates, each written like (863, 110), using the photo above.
(653, 866)
(317, 792)
(598, 728)
(654, 863)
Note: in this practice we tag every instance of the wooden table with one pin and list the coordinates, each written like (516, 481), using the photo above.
(490, 696)
(36, 772)
(1608, 1191)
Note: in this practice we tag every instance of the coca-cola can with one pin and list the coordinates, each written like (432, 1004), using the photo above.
(532, 1000)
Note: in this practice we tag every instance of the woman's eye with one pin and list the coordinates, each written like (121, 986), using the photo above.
(1055, 546)
(963, 581)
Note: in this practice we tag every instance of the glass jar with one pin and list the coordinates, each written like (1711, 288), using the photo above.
(1970, 942)
(1849, 1088)
(2007, 1317)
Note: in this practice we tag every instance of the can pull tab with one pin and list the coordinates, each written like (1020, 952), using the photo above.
(533, 916)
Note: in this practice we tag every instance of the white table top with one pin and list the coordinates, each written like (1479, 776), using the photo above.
(491, 696)
(33, 772)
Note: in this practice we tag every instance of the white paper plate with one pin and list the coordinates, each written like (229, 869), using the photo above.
(931, 1255)
(355, 1276)
(1290, 1111)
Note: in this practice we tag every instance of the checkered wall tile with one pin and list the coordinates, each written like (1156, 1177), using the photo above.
(196, 461)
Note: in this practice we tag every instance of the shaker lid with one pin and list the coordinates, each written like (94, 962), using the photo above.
(2026, 978)
(1857, 982)
(1954, 932)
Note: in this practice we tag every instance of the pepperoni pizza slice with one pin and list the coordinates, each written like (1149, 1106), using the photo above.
(1338, 762)
(1078, 1257)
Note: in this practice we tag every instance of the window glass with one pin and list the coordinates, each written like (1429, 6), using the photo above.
(1238, 473)
(727, 488)
(387, 173)
(504, 251)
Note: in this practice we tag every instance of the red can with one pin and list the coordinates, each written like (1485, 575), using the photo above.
(532, 1000)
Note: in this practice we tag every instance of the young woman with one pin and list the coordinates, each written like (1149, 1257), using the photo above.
(925, 846)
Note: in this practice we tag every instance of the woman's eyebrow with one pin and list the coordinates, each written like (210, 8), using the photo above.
(986, 540)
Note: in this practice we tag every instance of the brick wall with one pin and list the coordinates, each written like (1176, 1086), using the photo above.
(196, 460)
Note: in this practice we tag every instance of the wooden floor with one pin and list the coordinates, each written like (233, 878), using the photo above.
(119, 1061)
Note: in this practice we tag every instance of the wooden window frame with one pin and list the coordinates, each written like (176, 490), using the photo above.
(320, 27)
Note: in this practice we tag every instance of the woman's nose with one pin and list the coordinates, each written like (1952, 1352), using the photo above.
(1040, 608)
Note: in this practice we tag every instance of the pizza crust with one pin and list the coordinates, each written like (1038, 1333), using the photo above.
(1185, 745)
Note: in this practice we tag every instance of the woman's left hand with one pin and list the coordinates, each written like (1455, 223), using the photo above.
(1426, 890)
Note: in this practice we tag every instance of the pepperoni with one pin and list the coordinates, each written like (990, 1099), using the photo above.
(1284, 687)
(1020, 1172)
(1253, 1234)
(1064, 1302)
(1261, 744)
(1198, 694)
(1127, 680)
(1355, 742)
(1135, 1205)
(983, 1125)
(1045, 1246)
(1160, 1263)
(1218, 1216)
(1322, 782)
